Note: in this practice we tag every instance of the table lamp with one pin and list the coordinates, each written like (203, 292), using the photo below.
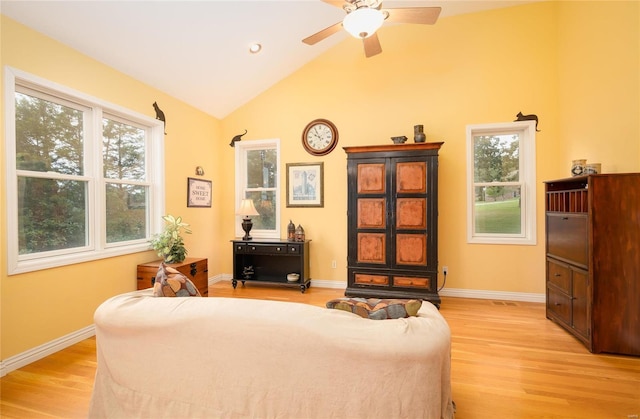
(247, 209)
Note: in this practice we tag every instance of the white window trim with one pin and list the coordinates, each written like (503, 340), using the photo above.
(96, 247)
(527, 131)
(241, 148)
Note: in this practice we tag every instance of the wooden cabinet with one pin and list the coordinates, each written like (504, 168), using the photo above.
(593, 260)
(270, 261)
(196, 269)
(393, 221)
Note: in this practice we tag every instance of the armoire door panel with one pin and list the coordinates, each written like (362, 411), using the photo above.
(372, 213)
(411, 249)
(411, 177)
(411, 213)
(372, 248)
(371, 178)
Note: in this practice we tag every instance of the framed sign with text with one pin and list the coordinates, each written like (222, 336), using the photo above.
(198, 193)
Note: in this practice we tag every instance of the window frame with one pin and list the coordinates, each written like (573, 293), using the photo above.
(96, 246)
(241, 149)
(527, 171)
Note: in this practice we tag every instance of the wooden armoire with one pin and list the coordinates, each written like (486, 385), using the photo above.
(393, 221)
(593, 259)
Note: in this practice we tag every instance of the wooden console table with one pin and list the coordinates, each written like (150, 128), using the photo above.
(270, 261)
(193, 268)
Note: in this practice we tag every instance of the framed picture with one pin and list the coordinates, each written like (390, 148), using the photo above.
(198, 193)
(305, 184)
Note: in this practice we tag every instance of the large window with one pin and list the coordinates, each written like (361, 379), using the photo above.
(84, 177)
(501, 183)
(258, 179)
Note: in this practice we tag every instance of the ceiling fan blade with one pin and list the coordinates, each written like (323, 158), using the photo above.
(323, 34)
(422, 15)
(337, 3)
(372, 45)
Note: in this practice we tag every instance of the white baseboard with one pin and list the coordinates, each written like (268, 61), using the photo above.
(220, 277)
(447, 292)
(323, 283)
(493, 295)
(18, 361)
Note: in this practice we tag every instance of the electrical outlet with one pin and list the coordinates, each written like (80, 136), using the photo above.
(445, 270)
(333, 264)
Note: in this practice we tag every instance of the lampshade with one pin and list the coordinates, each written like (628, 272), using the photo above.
(363, 22)
(247, 208)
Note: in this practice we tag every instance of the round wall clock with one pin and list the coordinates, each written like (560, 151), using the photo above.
(320, 137)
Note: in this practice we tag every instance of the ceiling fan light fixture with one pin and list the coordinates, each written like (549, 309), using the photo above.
(363, 22)
(255, 48)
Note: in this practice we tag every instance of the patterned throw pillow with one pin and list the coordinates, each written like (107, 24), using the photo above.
(376, 308)
(171, 283)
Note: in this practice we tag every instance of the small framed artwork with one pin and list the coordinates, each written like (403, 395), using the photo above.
(198, 193)
(305, 184)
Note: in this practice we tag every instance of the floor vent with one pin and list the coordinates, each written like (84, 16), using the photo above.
(505, 303)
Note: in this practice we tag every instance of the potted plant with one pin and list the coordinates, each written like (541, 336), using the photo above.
(169, 244)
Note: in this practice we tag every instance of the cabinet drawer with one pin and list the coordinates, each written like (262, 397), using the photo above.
(559, 304)
(559, 275)
(266, 249)
(295, 249)
(368, 279)
(567, 237)
(411, 282)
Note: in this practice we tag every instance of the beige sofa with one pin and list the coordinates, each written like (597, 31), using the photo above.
(240, 358)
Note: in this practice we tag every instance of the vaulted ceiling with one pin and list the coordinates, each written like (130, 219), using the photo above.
(198, 51)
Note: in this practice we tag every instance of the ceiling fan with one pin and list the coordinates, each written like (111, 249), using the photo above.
(365, 17)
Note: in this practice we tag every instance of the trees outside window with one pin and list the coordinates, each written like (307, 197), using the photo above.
(81, 182)
(127, 189)
(257, 178)
(501, 183)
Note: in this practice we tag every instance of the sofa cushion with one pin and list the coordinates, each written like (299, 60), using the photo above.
(171, 283)
(376, 308)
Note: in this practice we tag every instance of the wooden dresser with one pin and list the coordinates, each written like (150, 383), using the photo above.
(393, 221)
(195, 269)
(593, 260)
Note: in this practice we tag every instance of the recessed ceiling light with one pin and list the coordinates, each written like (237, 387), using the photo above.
(255, 48)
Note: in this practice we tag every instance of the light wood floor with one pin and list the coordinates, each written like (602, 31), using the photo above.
(508, 361)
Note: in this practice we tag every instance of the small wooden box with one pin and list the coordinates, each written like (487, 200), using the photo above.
(196, 269)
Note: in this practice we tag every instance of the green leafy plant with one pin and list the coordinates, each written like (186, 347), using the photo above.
(169, 244)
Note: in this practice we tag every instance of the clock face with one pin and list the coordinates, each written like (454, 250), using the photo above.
(320, 137)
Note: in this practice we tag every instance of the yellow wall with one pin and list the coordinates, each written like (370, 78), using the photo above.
(542, 58)
(575, 64)
(599, 62)
(41, 306)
